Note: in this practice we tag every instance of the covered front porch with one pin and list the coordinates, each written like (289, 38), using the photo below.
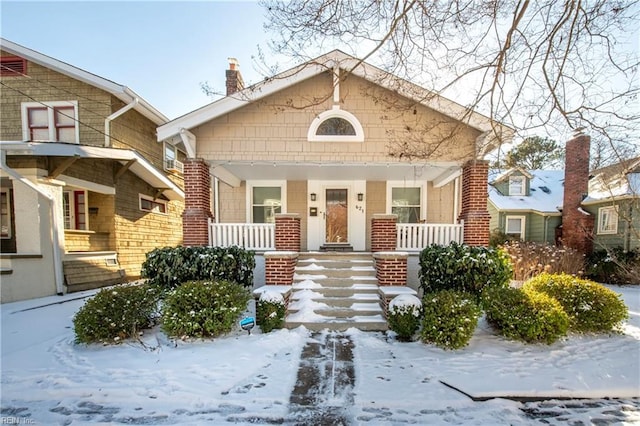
(236, 203)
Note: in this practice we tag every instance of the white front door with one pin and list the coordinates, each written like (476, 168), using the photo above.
(336, 215)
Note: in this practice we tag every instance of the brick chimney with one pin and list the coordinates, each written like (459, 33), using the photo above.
(577, 225)
(234, 79)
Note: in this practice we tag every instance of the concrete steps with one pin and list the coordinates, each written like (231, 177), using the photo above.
(335, 291)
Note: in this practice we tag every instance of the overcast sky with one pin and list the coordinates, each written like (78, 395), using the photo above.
(162, 50)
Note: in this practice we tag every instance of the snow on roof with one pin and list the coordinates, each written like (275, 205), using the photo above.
(622, 185)
(547, 191)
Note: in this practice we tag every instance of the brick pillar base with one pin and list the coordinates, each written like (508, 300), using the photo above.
(288, 232)
(197, 202)
(383, 232)
(391, 268)
(279, 267)
(474, 211)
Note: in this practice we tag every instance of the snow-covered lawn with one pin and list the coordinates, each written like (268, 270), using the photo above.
(248, 379)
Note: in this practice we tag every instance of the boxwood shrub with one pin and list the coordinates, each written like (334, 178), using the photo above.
(404, 316)
(116, 313)
(463, 268)
(528, 316)
(203, 308)
(270, 311)
(449, 318)
(169, 267)
(591, 307)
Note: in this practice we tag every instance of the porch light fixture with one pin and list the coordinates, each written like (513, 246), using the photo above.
(313, 196)
(360, 196)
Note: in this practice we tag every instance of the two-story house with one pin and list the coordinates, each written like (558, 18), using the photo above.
(85, 188)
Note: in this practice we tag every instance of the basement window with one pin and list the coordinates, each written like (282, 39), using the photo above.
(148, 204)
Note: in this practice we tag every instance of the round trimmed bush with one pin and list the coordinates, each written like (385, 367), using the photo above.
(592, 307)
(270, 311)
(203, 308)
(116, 313)
(404, 316)
(528, 316)
(449, 318)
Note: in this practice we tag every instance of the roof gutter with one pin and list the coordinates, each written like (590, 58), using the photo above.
(109, 119)
(57, 255)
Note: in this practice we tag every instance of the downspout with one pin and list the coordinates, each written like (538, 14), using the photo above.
(57, 256)
(107, 121)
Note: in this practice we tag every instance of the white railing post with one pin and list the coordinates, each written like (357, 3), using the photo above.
(252, 236)
(415, 237)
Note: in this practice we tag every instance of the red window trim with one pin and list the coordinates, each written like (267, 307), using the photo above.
(31, 126)
(10, 73)
(63, 126)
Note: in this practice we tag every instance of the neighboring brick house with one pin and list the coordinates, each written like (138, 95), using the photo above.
(526, 204)
(86, 190)
(314, 144)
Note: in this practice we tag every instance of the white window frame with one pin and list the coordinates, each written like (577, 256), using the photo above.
(265, 183)
(171, 147)
(335, 113)
(391, 184)
(523, 225)
(523, 185)
(25, 106)
(73, 210)
(153, 201)
(7, 194)
(611, 214)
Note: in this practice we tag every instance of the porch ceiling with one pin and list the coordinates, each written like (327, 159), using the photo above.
(243, 171)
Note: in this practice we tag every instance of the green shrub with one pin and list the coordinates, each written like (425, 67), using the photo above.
(203, 308)
(614, 266)
(525, 315)
(591, 307)
(449, 319)
(404, 316)
(463, 268)
(116, 313)
(171, 266)
(270, 311)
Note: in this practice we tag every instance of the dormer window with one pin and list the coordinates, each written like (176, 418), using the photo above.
(335, 125)
(516, 185)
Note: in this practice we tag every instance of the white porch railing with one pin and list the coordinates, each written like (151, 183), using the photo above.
(251, 236)
(416, 236)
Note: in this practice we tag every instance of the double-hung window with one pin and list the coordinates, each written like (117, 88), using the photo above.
(406, 203)
(607, 220)
(50, 121)
(516, 185)
(74, 203)
(266, 202)
(515, 226)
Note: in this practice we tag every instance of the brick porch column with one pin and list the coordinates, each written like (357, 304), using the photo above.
(288, 232)
(383, 232)
(279, 267)
(474, 211)
(197, 202)
(391, 267)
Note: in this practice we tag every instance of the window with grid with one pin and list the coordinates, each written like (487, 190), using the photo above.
(74, 205)
(50, 121)
(607, 220)
(5, 214)
(516, 185)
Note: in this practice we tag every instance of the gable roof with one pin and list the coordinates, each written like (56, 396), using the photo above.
(504, 175)
(546, 197)
(330, 61)
(123, 93)
(620, 180)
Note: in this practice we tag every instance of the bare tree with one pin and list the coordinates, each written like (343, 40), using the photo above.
(540, 67)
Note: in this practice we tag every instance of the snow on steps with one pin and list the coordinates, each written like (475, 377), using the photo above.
(335, 291)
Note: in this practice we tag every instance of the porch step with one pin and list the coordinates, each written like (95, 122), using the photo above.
(335, 291)
(343, 247)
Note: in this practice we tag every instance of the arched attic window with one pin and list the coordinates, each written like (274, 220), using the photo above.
(335, 125)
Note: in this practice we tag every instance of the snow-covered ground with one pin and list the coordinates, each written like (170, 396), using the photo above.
(248, 379)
